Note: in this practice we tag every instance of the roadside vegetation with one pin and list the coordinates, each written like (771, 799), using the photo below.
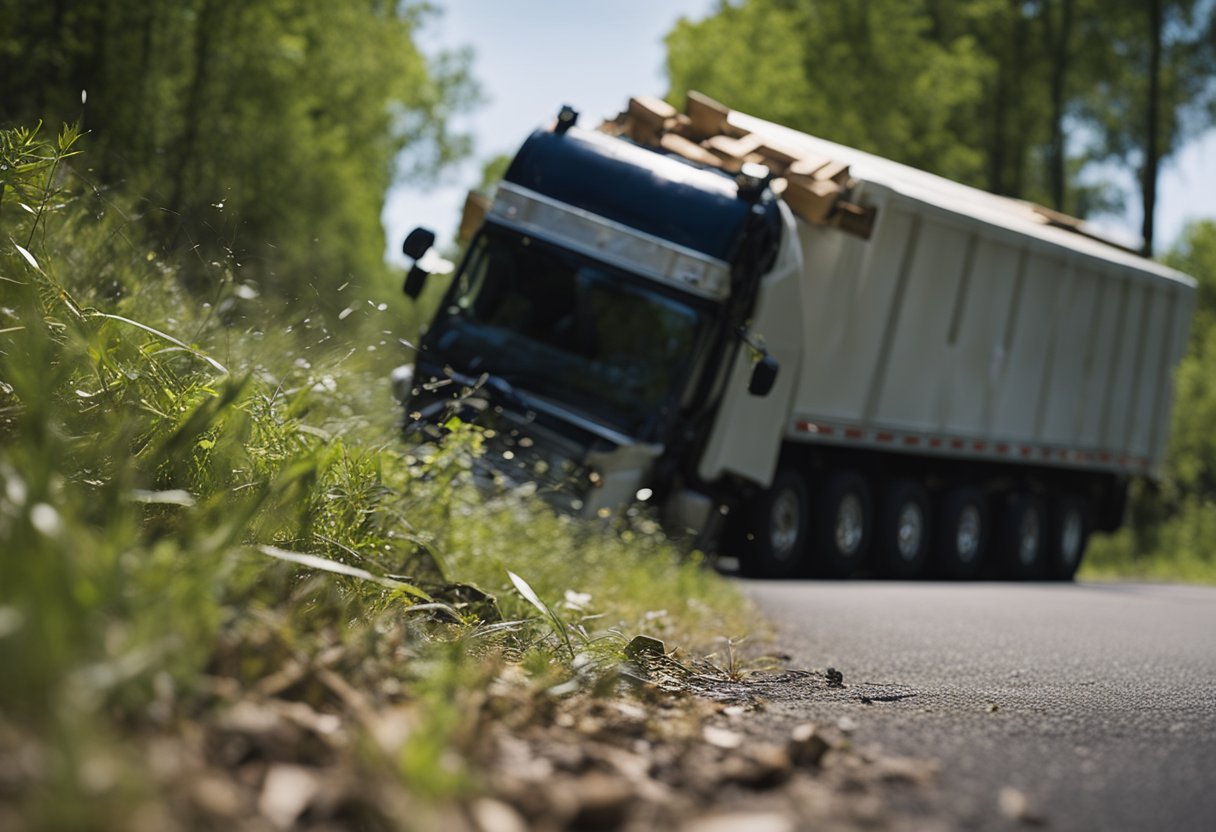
(217, 549)
(230, 593)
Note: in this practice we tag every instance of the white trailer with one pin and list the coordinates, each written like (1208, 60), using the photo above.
(969, 347)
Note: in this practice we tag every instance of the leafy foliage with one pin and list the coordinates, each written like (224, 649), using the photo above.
(261, 133)
(833, 68)
(1152, 84)
(191, 513)
(981, 91)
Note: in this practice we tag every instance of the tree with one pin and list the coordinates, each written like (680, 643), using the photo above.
(1057, 21)
(259, 132)
(1157, 87)
(982, 91)
(869, 74)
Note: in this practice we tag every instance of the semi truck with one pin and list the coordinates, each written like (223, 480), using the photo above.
(810, 358)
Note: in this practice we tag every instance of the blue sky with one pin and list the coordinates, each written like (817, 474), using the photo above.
(532, 57)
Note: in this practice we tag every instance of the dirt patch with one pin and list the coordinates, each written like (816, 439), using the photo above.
(319, 744)
(686, 747)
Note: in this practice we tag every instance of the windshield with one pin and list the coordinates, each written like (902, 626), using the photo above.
(569, 329)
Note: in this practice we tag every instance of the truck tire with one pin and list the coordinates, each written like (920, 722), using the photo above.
(843, 526)
(778, 521)
(902, 530)
(1022, 538)
(962, 539)
(1068, 528)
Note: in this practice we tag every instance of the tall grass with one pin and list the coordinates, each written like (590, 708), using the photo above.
(1156, 545)
(196, 487)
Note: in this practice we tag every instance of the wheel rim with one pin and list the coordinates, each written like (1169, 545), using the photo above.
(910, 531)
(967, 540)
(1070, 537)
(785, 522)
(850, 520)
(1028, 537)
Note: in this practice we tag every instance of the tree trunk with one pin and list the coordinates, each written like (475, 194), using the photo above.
(1006, 152)
(1152, 150)
(98, 74)
(144, 131)
(996, 151)
(192, 114)
(1014, 177)
(59, 60)
(1059, 41)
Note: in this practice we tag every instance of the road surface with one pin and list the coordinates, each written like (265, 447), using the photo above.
(1094, 702)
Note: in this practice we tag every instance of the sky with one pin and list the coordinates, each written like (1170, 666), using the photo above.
(532, 57)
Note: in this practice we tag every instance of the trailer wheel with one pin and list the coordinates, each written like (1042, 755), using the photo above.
(902, 530)
(779, 518)
(1022, 537)
(1068, 528)
(962, 539)
(843, 526)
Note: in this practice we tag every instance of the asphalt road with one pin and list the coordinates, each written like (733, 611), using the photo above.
(1096, 702)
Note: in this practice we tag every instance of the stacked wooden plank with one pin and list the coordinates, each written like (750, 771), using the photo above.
(815, 188)
(1049, 216)
(476, 206)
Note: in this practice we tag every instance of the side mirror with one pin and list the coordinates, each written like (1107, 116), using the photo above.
(414, 281)
(418, 242)
(764, 376)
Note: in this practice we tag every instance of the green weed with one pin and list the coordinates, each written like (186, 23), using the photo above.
(1179, 549)
(203, 503)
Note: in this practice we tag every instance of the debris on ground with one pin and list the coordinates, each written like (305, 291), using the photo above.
(688, 764)
(321, 741)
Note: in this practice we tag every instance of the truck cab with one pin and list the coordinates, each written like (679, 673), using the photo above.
(602, 311)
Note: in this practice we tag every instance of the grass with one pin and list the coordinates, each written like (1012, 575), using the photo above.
(1179, 550)
(205, 506)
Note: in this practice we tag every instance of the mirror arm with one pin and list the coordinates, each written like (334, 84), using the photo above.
(745, 335)
(764, 371)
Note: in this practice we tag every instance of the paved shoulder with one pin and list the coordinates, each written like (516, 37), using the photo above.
(1097, 702)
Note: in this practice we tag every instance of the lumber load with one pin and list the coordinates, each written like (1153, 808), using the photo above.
(819, 190)
(815, 188)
